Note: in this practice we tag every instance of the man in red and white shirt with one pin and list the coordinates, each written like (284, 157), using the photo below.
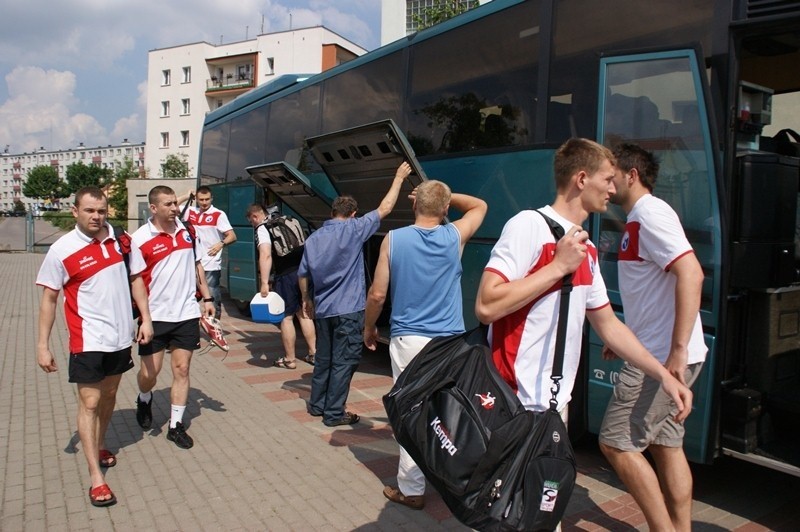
(172, 273)
(519, 290)
(214, 232)
(661, 282)
(87, 263)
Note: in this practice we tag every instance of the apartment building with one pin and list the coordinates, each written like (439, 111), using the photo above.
(397, 16)
(14, 168)
(185, 82)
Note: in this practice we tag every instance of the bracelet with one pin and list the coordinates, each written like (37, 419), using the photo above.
(208, 299)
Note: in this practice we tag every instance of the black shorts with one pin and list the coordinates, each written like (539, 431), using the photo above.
(175, 335)
(94, 366)
(287, 287)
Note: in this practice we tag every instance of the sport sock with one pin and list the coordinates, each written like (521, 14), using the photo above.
(176, 415)
(145, 397)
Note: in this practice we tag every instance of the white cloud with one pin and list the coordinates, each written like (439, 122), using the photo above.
(40, 112)
(59, 58)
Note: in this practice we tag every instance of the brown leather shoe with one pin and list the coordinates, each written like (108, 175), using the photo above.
(416, 502)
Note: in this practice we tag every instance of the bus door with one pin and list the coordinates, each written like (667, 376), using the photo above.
(659, 101)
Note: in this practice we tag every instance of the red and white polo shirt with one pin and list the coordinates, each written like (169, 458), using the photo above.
(169, 272)
(523, 342)
(97, 298)
(211, 226)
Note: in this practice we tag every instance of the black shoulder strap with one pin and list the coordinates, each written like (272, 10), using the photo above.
(187, 205)
(563, 312)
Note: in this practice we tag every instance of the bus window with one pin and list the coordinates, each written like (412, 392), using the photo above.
(368, 93)
(476, 89)
(214, 154)
(655, 102)
(249, 136)
(291, 119)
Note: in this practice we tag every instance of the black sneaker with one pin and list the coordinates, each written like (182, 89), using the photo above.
(144, 413)
(179, 436)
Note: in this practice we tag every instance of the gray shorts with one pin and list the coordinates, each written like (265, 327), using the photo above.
(641, 414)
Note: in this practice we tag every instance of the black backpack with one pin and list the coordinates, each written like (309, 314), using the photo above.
(496, 465)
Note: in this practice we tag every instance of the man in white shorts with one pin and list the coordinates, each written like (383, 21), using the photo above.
(87, 263)
(660, 282)
(173, 273)
(421, 265)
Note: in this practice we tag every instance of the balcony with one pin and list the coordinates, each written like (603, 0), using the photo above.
(17, 189)
(230, 82)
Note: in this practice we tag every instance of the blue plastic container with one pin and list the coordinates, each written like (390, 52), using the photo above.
(268, 309)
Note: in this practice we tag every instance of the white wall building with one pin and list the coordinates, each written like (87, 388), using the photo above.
(397, 17)
(186, 82)
(14, 168)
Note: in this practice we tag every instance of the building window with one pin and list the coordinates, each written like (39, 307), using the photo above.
(166, 77)
(219, 104)
(184, 138)
(270, 65)
(187, 74)
(165, 108)
(186, 108)
(165, 140)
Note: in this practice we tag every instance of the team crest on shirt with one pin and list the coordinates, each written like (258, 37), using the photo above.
(625, 242)
(209, 219)
(592, 264)
(187, 237)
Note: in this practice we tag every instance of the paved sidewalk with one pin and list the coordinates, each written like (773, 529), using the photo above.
(260, 462)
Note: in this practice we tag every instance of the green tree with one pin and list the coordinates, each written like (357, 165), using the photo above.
(43, 183)
(80, 175)
(443, 10)
(118, 190)
(175, 166)
(19, 206)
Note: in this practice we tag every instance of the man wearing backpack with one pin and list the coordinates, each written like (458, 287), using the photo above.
(214, 232)
(87, 264)
(421, 265)
(333, 264)
(285, 285)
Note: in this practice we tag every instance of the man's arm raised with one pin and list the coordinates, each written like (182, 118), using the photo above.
(474, 210)
(388, 202)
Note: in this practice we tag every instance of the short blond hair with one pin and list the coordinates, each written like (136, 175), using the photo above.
(432, 198)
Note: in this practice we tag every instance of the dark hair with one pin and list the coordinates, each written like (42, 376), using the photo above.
(156, 191)
(631, 156)
(578, 154)
(94, 192)
(204, 189)
(344, 206)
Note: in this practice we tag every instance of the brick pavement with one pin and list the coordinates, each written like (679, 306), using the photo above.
(260, 462)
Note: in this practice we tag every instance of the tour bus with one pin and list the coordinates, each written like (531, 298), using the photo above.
(481, 102)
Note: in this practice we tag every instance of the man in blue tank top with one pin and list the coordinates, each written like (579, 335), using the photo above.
(424, 263)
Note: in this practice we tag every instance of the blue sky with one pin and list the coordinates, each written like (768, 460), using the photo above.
(75, 70)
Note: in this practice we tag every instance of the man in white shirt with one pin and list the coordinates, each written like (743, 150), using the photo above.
(214, 232)
(173, 273)
(87, 263)
(661, 282)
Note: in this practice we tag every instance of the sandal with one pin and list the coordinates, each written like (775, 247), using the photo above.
(102, 491)
(309, 358)
(284, 363)
(107, 458)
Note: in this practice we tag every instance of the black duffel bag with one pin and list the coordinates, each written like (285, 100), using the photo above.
(496, 465)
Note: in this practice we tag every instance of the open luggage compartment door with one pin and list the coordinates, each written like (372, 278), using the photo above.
(294, 190)
(361, 162)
